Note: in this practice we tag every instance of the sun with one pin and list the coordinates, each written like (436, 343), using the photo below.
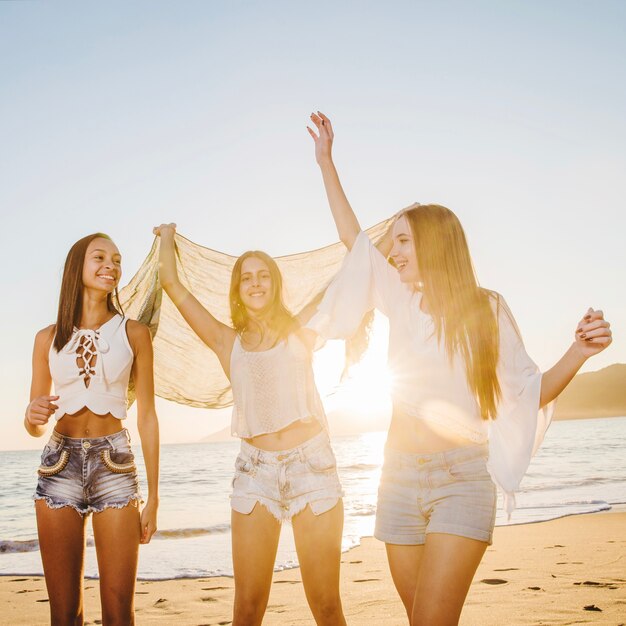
(365, 393)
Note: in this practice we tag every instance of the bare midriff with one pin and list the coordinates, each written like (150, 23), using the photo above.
(289, 437)
(84, 424)
(408, 433)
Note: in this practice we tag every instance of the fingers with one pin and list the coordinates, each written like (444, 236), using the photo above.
(41, 408)
(158, 230)
(591, 315)
(594, 329)
(315, 137)
(323, 124)
(326, 123)
(147, 530)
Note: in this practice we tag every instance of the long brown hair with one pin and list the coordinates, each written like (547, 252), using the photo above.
(277, 316)
(461, 310)
(71, 297)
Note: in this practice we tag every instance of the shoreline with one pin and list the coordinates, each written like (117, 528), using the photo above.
(552, 570)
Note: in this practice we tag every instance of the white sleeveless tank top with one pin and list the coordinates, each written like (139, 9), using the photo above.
(273, 388)
(93, 369)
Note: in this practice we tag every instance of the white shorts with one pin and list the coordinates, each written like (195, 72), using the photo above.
(284, 482)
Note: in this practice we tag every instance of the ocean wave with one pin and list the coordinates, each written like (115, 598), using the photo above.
(186, 533)
(569, 484)
(31, 545)
(361, 466)
(12, 546)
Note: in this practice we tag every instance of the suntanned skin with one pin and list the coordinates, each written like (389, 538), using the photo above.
(433, 580)
(117, 532)
(255, 536)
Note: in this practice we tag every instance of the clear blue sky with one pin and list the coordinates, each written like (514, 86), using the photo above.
(116, 116)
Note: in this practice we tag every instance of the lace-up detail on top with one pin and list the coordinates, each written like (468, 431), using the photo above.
(93, 369)
(86, 344)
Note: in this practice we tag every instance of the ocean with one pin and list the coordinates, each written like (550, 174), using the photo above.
(580, 468)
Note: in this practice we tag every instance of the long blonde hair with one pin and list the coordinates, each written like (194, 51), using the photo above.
(277, 316)
(460, 308)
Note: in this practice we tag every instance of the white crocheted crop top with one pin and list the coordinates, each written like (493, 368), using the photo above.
(273, 388)
(92, 370)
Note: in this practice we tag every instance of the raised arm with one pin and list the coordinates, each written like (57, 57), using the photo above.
(593, 335)
(348, 226)
(219, 337)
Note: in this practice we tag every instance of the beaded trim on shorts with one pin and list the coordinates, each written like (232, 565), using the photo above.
(59, 466)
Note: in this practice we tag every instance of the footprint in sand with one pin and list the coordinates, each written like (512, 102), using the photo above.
(593, 583)
(285, 582)
(209, 599)
(366, 580)
(592, 607)
(44, 600)
(494, 581)
(213, 588)
(535, 588)
(18, 580)
(354, 562)
(141, 593)
(507, 569)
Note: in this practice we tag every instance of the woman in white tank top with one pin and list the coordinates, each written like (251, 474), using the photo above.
(469, 406)
(87, 465)
(286, 469)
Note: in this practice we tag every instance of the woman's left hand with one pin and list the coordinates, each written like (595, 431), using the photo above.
(148, 521)
(323, 141)
(593, 333)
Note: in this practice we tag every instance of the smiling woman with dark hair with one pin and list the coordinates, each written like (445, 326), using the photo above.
(87, 466)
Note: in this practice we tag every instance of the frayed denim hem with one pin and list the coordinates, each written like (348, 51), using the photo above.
(285, 515)
(90, 509)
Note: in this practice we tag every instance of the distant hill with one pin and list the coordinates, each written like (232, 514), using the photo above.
(593, 394)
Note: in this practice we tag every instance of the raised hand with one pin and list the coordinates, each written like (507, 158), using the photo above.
(40, 409)
(593, 333)
(323, 138)
(164, 229)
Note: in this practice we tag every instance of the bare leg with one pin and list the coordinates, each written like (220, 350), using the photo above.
(448, 565)
(318, 543)
(117, 534)
(404, 563)
(255, 541)
(62, 544)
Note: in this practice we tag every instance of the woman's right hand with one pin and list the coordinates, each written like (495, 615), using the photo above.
(323, 140)
(40, 409)
(164, 229)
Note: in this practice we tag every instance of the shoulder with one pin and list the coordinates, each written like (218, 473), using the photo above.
(43, 338)
(138, 335)
(137, 331)
(305, 337)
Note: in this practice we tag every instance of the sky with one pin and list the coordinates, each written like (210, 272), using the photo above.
(118, 116)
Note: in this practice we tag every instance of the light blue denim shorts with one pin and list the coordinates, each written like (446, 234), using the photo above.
(445, 492)
(286, 481)
(89, 475)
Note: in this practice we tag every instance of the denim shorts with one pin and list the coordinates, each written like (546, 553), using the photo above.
(286, 481)
(445, 492)
(89, 475)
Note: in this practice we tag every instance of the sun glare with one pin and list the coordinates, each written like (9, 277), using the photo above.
(363, 397)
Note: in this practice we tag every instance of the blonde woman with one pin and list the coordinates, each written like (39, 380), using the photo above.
(466, 399)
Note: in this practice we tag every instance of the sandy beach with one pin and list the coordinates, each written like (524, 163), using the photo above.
(566, 571)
